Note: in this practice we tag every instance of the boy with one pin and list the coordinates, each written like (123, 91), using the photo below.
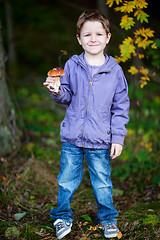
(95, 92)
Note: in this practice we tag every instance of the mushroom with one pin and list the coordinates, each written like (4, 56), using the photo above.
(56, 73)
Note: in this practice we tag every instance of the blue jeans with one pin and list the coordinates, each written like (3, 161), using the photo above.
(70, 177)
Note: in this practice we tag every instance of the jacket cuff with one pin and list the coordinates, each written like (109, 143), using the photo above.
(56, 97)
(118, 139)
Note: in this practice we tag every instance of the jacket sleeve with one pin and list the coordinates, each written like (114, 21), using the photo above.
(65, 92)
(120, 110)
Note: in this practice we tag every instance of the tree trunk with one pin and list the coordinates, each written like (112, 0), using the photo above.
(9, 136)
(102, 7)
(12, 58)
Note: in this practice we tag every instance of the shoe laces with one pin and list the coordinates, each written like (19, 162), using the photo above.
(59, 226)
(111, 226)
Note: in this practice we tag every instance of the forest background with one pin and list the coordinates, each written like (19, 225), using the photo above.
(44, 37)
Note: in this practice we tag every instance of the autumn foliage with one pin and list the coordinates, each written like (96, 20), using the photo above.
(139, 40)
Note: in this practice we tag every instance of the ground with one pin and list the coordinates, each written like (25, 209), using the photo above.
(29, 180)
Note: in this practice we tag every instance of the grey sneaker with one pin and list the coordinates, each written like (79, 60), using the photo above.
(62, 228)
(111, 230)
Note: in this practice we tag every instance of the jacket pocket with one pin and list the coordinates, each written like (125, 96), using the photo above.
(103, 114)
(99, 124)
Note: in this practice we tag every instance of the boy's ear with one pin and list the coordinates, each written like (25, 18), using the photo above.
(108, 37)
(78, 38)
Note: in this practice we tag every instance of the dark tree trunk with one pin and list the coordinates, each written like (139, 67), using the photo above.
(102, 7)
(9, 136)
(12, 58)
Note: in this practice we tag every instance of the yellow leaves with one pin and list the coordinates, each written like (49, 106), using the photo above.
(118, 59)
(95, 228)
(144, 32)
(64, 52)
(126, 49)
(141, 4)
(148, 146)
(127, 22)
(143, 43)
(92, 228)
(133, 70)
(127, 7)
(144, 71)
(141, 15)
(128, 4)
(154, 46)
(110, 2)
(133, 10)
(143, 81)
(119, 235)
(141, 56)
(144, 78)
(142, 38)
(4, 180)
(144, 74)
(131, 6)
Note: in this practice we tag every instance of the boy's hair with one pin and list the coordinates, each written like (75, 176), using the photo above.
(92, 15)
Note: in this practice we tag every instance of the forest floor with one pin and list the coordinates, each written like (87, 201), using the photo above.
(29, 181)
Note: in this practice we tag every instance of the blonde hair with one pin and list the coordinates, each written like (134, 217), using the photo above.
(92, 15)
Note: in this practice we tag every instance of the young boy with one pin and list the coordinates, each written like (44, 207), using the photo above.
(95, 92)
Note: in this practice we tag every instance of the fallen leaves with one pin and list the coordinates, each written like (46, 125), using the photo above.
(119, 235)
(19, 216)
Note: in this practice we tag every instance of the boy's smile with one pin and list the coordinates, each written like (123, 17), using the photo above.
(93, 38)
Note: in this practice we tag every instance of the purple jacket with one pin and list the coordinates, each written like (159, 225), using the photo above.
(97, 107)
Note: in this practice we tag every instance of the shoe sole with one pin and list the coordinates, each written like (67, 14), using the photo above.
(111, 235)
(64, 234)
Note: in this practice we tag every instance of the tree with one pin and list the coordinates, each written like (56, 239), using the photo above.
(9, 135)
(12, 58)
(101, 6)
(134, 46)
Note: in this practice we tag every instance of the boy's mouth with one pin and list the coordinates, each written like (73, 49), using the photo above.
(94, 45)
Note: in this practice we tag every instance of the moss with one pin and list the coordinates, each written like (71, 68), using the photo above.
(5, 139)
(140, 211)
(8, 142)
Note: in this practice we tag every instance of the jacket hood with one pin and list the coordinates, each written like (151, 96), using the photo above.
(106, 67)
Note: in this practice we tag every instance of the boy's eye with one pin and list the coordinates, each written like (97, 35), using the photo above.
(99, 34)
(87, 35)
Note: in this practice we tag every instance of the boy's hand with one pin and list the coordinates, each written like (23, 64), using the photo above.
(50, 86)
(116, 150)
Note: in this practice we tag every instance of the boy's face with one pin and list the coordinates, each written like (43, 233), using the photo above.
(93, 37)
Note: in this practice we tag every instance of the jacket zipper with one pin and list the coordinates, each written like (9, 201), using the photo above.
(90, 84)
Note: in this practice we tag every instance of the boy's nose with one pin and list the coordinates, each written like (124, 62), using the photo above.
(93, 38)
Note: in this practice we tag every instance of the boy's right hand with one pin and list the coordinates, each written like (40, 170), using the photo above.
(50, 85)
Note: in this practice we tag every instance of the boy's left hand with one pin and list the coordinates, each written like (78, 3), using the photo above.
(116, 150)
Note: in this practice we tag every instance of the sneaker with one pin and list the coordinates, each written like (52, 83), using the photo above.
(111, 230)
(62, 228)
